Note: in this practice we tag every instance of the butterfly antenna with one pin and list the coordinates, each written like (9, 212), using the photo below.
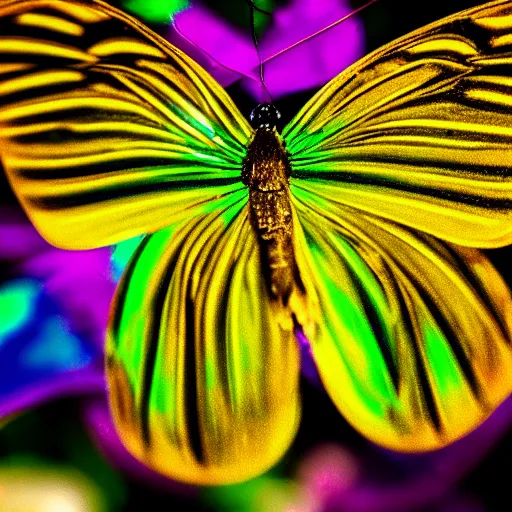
(321, 31)
(200, 48)
(255, 8)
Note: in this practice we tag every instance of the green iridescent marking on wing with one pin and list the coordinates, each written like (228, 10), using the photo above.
(106, 130)
(419, 131)
(121, 255)
(412, 339)
(446, 374)
(347, 314)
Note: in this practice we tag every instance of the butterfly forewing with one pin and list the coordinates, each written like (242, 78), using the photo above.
(107, 131)
(420, 131)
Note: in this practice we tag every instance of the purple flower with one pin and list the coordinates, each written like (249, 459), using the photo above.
(229, 54)
(51, 338)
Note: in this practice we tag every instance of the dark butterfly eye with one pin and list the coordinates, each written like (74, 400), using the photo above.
(264, 115)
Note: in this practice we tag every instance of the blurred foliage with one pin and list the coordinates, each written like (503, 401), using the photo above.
(155, 11)
(53, 436)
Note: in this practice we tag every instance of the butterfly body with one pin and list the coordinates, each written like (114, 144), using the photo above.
(266, 171)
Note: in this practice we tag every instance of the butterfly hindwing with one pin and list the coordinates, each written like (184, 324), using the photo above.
(108, 131)
(203, 381)
(413, 338)
(419, 131)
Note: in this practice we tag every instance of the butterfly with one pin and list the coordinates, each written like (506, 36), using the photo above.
(357, 226)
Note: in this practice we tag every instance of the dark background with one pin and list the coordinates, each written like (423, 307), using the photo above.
(56, 433)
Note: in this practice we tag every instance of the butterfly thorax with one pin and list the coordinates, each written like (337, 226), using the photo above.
(265, 171)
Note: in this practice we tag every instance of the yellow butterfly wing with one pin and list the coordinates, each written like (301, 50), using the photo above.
(203, 379)
(419, 131)
(396, 159)
(106, 130)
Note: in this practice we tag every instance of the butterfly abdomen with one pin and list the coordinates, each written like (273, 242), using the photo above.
(265, 171)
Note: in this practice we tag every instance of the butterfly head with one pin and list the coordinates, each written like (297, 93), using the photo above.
(265, 115)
